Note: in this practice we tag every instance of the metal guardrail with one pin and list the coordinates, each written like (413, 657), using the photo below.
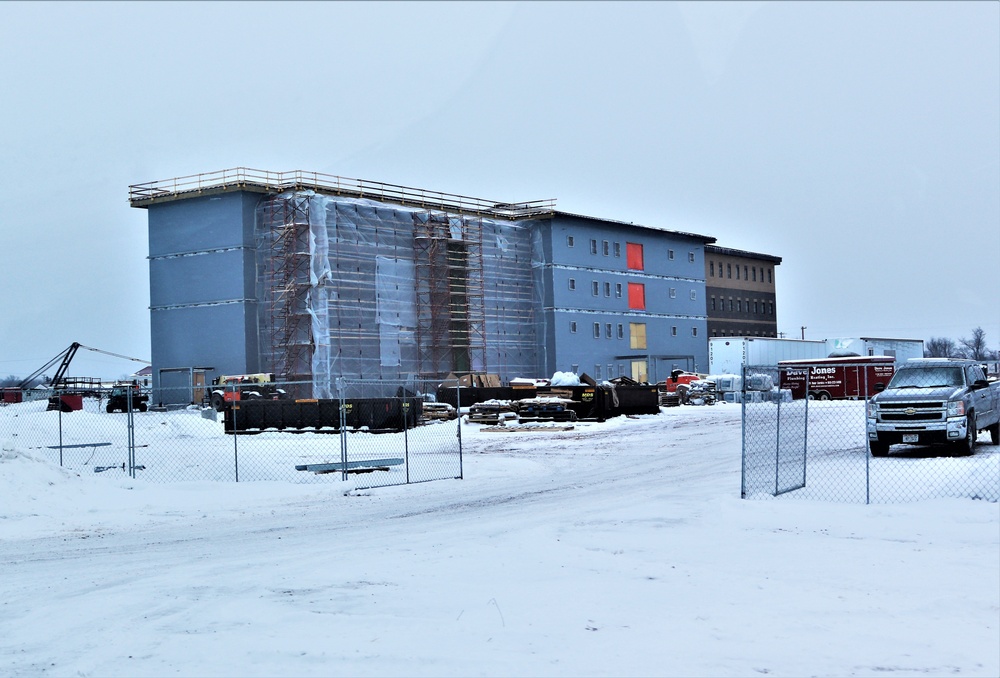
(277, 182)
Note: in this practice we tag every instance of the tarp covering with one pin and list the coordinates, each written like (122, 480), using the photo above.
(391, 295)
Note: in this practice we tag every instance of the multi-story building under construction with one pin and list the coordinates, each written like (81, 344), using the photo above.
(314, 277)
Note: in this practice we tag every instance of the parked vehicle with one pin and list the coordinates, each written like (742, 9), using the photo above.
(932, 401)
(118, 400)
(836, 378)
(236, 387)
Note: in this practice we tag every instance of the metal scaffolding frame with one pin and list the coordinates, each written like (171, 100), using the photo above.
(286, 333)
(451, 294)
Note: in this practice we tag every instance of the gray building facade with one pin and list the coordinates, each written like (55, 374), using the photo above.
(314, 277)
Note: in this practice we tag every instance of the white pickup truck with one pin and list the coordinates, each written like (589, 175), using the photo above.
(932, 401)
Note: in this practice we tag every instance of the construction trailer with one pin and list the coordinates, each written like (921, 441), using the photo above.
(728, 355)
(899, 349)
(849, 377)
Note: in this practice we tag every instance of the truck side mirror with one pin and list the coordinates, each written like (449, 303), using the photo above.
(879, 387)
(980, 383)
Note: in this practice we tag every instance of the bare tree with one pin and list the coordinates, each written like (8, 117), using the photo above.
(10, 380)
(940, 347)
(975, 348)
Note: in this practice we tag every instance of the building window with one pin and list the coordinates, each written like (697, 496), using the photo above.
(770, 308)
(737, 271)
(746, 275)
(637, 296)
(618, 290)
(607, 248)
(769, 275)
(569, 241)
(593, 246)
(670, 254)
(691, 257)
(739, 305)
(673, 292)
(694, 331)
(637, 335)
(597, 371)
(607, 330)
(711, 268)
(572, 283)
(618, 249)
(729, 270)
(597, 330)
(621, 331)
(694, 295)
(713, 303)
(611, 370)
(633, 256)
(572, 326)
(673, 331)
(730, 304)
(607, 289)
(755, 307)
(595, 288)
(754, 269)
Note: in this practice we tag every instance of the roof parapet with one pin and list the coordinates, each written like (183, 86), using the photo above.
(263, 181)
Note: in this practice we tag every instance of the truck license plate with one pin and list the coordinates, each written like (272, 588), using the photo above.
(910, 437)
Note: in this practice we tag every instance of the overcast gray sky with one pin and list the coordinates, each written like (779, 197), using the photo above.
(860, 141)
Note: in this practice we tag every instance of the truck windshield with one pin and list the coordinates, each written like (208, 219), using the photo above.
(927, 378)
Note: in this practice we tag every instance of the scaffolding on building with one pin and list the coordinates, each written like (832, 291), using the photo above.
(285, 276)
(450, 293)
(365, 279)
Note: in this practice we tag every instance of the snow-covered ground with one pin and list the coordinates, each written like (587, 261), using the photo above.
(619, 548)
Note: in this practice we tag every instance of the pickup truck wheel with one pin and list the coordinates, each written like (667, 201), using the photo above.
(966, 445)
(995, 433)
(824, 395)
(878, 449)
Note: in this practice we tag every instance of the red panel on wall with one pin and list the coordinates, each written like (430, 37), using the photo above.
(637, 296)
(633, 255)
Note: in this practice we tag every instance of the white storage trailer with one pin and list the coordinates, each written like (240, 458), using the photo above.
(728, 355)
(900, 349)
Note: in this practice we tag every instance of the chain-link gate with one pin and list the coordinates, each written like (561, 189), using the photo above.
(805, 434)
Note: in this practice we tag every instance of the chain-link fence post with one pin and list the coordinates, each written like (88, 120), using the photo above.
(130, 432)
(458, 404)
(234, 408)
(59, 404)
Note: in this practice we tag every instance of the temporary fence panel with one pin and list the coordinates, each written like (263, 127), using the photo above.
(371, 434)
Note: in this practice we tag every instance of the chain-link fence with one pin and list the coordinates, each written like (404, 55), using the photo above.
(375, 433)
(812, 430)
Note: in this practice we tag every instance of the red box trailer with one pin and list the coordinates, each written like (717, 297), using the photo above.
(11, 394)
(836, 378)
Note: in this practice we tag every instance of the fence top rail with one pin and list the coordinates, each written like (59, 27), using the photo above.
(245, 178)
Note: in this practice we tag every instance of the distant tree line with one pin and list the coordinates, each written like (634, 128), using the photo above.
(974, 348)
(14, 380)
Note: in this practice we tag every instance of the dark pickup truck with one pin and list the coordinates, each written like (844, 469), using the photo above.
(931, 401)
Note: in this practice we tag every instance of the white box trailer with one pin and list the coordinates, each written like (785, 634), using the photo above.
(900, 349)
(728, 355)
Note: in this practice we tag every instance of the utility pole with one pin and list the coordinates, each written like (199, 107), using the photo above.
(803, 332)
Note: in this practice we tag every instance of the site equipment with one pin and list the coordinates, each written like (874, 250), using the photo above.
(236, 387)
